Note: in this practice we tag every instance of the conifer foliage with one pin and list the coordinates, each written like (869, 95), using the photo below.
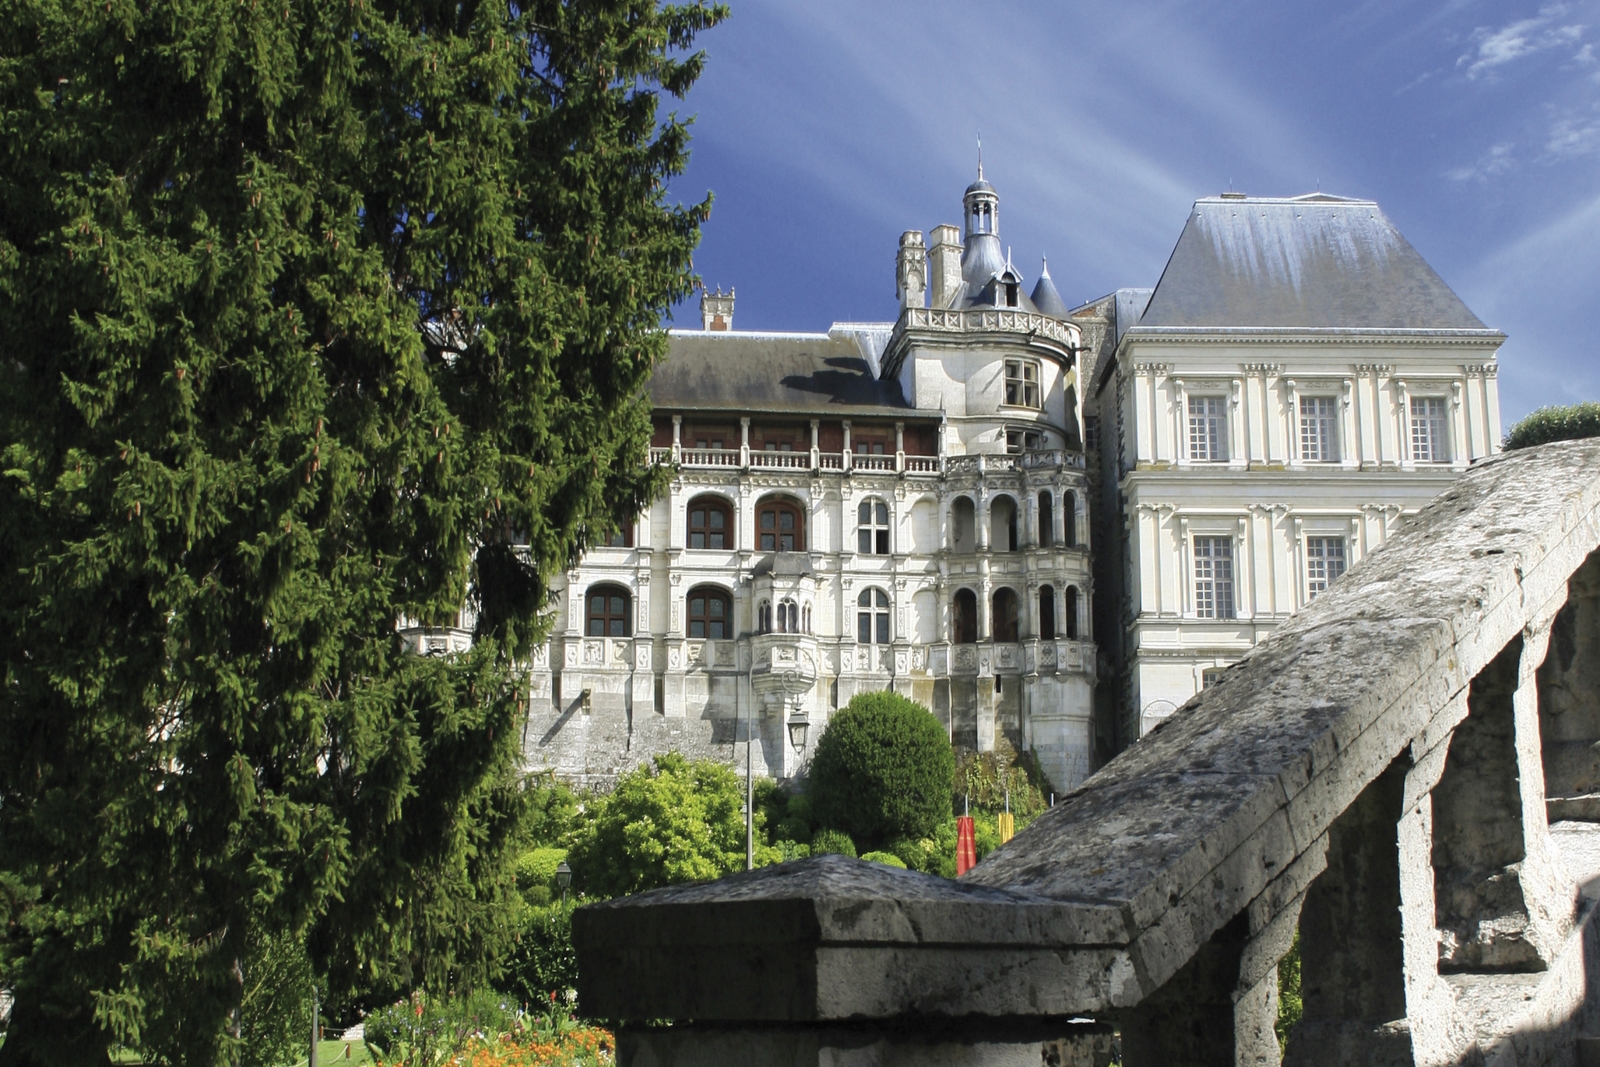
(313, 309)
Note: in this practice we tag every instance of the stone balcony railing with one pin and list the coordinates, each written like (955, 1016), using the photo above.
(898, 463)
(1404, 773)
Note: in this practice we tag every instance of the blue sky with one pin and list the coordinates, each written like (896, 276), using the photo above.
(827, 128)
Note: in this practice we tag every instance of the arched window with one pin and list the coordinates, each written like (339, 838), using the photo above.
(1069, 519)
(1047, 519)
(608, 611)
(710, 613)
(872, 528)
(1005, 615)
(1072, 613)
(964, 624)
(872, 617)
(710, 523)
(764, 617)
(1047, 613)
(805, 617)
(623, 538)
(788, 616)
(1003, 524)
(963, 524)
(780, 526)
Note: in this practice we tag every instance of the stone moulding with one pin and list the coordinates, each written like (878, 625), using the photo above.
(1213, 831)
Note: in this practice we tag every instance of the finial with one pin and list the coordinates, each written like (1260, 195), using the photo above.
(980, 157)
(1044, 272)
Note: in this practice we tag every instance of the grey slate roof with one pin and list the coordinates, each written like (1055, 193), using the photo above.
(1315, 261)
(781, 372)
(1045, 297)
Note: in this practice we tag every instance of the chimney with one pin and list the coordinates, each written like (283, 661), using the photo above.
(945, 264)
(716, 310)
(911, 271)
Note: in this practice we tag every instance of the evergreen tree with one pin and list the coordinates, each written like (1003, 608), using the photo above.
(314, 312)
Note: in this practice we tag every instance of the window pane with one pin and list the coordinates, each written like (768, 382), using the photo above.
(718, 541)
(597, 605)
(767, 542)
(864, 627)
(697, 518)
(864, 541)
(883, 629)
(616, 605)
(769, 520)
(597, 627)
(697, 606)
(883, 599)
(616, 628)
(864, 512)
(865, 599)
(883, 542)
(716, 606)
(697, 540)
(786, 520)
(883, 514)
(718, 630)
(718, 520)
(697, 628)
(787, 542)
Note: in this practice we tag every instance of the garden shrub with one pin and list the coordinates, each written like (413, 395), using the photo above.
(543, 961)
(882, 770)
(888, 859)
(427, 1030)
(916, 854)
(833, 841)
(1555, 423)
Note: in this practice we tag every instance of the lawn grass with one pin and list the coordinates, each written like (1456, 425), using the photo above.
(331, 1054)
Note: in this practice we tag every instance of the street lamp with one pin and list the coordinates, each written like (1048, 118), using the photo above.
(797, 734)
(563, 878)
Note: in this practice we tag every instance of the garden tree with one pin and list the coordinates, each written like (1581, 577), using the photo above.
(675, 821)
(1555, 423)
(312, 311)
(882, 771)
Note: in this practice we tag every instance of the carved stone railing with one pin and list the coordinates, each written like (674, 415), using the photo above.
(987, 320)
(1378, 774)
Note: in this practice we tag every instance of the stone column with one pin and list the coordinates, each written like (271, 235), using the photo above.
(677, 437)
(744, 442)
(980, 519)
(1029, 519)
(815, 455)
(845, 459)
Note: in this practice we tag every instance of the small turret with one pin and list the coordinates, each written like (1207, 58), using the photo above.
(1045, 297)
(981, 260)
(716, 310)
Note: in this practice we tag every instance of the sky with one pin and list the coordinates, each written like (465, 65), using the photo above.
(825, 129)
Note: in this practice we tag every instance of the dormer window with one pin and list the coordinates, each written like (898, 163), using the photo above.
(1011, 294)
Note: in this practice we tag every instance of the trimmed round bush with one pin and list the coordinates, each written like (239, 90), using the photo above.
(835, 841)
(886, 858)
(1556, 423)
(882, 770)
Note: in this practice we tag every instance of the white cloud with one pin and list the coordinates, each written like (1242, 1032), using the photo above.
(1498, 160)
(1496, 48)
(1573, 135)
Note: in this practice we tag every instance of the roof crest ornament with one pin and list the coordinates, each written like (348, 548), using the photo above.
(980, 155)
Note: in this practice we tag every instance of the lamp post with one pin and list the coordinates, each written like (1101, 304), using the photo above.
(794, 682)
(563, 878)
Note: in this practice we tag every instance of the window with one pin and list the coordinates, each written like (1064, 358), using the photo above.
(964, 623)
(1047, 613)
(872, 528)
(788, 616)
(764, 617)
(608, 611)
(1022, 383)
(1005, 615)
(779, 527)
(1011, 294)
(1072, 613)
(1213, 577)
(1428, 441)
(1069, 519)
(868, 447)
(1047, 519)
(1208, 427)
(1091, 433)
(1324, 563)
(872, 617)
(710, 614)
(1211, 676)
(1003, 524)
(623, 538)
(1319, 433)
(1024, 441)
(710, 523)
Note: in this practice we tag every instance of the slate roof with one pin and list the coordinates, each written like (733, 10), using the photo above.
(1316, 261)
(817, 373)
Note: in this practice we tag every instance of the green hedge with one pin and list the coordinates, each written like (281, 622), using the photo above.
(1556, 423)
(882, 771)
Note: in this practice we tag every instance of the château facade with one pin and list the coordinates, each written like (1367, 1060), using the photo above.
(1051, 526)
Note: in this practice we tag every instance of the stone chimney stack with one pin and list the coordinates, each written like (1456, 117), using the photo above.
(945, 264)
(716, 310)
(911, 271)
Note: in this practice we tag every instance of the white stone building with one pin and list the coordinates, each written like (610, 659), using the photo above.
(1297, 382)
(882, 506)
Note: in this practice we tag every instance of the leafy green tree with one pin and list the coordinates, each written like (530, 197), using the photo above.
(314, 312)
(543, 961)
(882, 771)
(1555, 423)
(675, 821)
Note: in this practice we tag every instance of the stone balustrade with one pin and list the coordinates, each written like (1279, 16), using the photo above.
(1380, 774)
